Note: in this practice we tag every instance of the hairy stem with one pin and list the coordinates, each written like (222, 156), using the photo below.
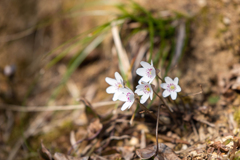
(157, 130)
(170, 109)
(159, 77)
(147, 111)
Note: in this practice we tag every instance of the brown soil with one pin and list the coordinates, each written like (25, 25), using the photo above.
(212, 52)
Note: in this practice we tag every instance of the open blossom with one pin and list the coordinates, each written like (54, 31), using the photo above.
(148, 72)
(116, 85)
(144, 90)
(171, 87)
(126, 96)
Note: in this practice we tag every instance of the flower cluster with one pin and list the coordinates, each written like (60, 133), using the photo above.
(143, 89)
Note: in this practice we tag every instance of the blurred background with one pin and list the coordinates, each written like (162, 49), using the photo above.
(54, 52)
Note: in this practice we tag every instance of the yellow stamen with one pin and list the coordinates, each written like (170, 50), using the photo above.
(172, 87)
(120, 86)
(148, 89)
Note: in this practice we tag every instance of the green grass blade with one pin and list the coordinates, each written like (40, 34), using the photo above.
(77, 62)
(151, 34)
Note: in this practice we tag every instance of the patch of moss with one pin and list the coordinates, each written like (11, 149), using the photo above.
(213, 100)
(53, 136)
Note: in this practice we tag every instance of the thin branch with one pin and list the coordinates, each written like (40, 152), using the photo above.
(8, 38)
(157, 131)
(50, 108)
(170, 109)
(177, 106)
(147, 111)
(184, 105)
(194, 129)
(160, 78)
(193, 94)
(120, 50)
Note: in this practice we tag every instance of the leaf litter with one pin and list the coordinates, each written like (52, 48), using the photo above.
(195, 131)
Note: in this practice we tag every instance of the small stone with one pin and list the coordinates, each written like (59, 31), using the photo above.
(184, 147)
(193, 154)
(202, 3)
(226, 20)
(134, 141)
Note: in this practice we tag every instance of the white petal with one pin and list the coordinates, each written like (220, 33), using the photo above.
(116, 95)
(122, 97)
(125, 106)
(151, 95)
(174, 95)
(178, 88)
(139, 92)
(151, 63)
(150, 81)
(144, 98)
(165, 93)
(164, 85)
(153, 72)
(141, 71)
(143, 79)
(128, 90)
(144, 83)
(145, 64)
(130, 104)
(131, 98)
(124, 90)
(111, 89)
(168, 80)
(140, 86)
(110, 81)
(118, 77)
(176, 80)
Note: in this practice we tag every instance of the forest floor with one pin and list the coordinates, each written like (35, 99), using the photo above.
(33, 125)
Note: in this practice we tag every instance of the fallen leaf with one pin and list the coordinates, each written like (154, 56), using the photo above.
(89, 110)
(94, 129)
(60, 156)
(44, 153)
(146, 153)
(164, 152)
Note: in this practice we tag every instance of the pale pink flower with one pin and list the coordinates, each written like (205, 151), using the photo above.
(171, 87)
(148, 72)
(126, 96)
(116, 85)
(144, 90)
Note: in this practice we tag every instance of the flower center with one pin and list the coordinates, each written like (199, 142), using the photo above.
(146, 89)
(119, 85)
(149, 72)
(130, 97)
(171, 87)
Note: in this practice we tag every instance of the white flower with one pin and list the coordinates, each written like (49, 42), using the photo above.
(116, 85)
(145, 90)
(171, 87)
(127, 96)
(148, 72)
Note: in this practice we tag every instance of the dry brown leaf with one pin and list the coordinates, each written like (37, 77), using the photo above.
(164, 152)
(60, 156)
(44, 153)
(89, 110)
(127, 152)
(236, 85)
(94, 129)
(146, 153)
